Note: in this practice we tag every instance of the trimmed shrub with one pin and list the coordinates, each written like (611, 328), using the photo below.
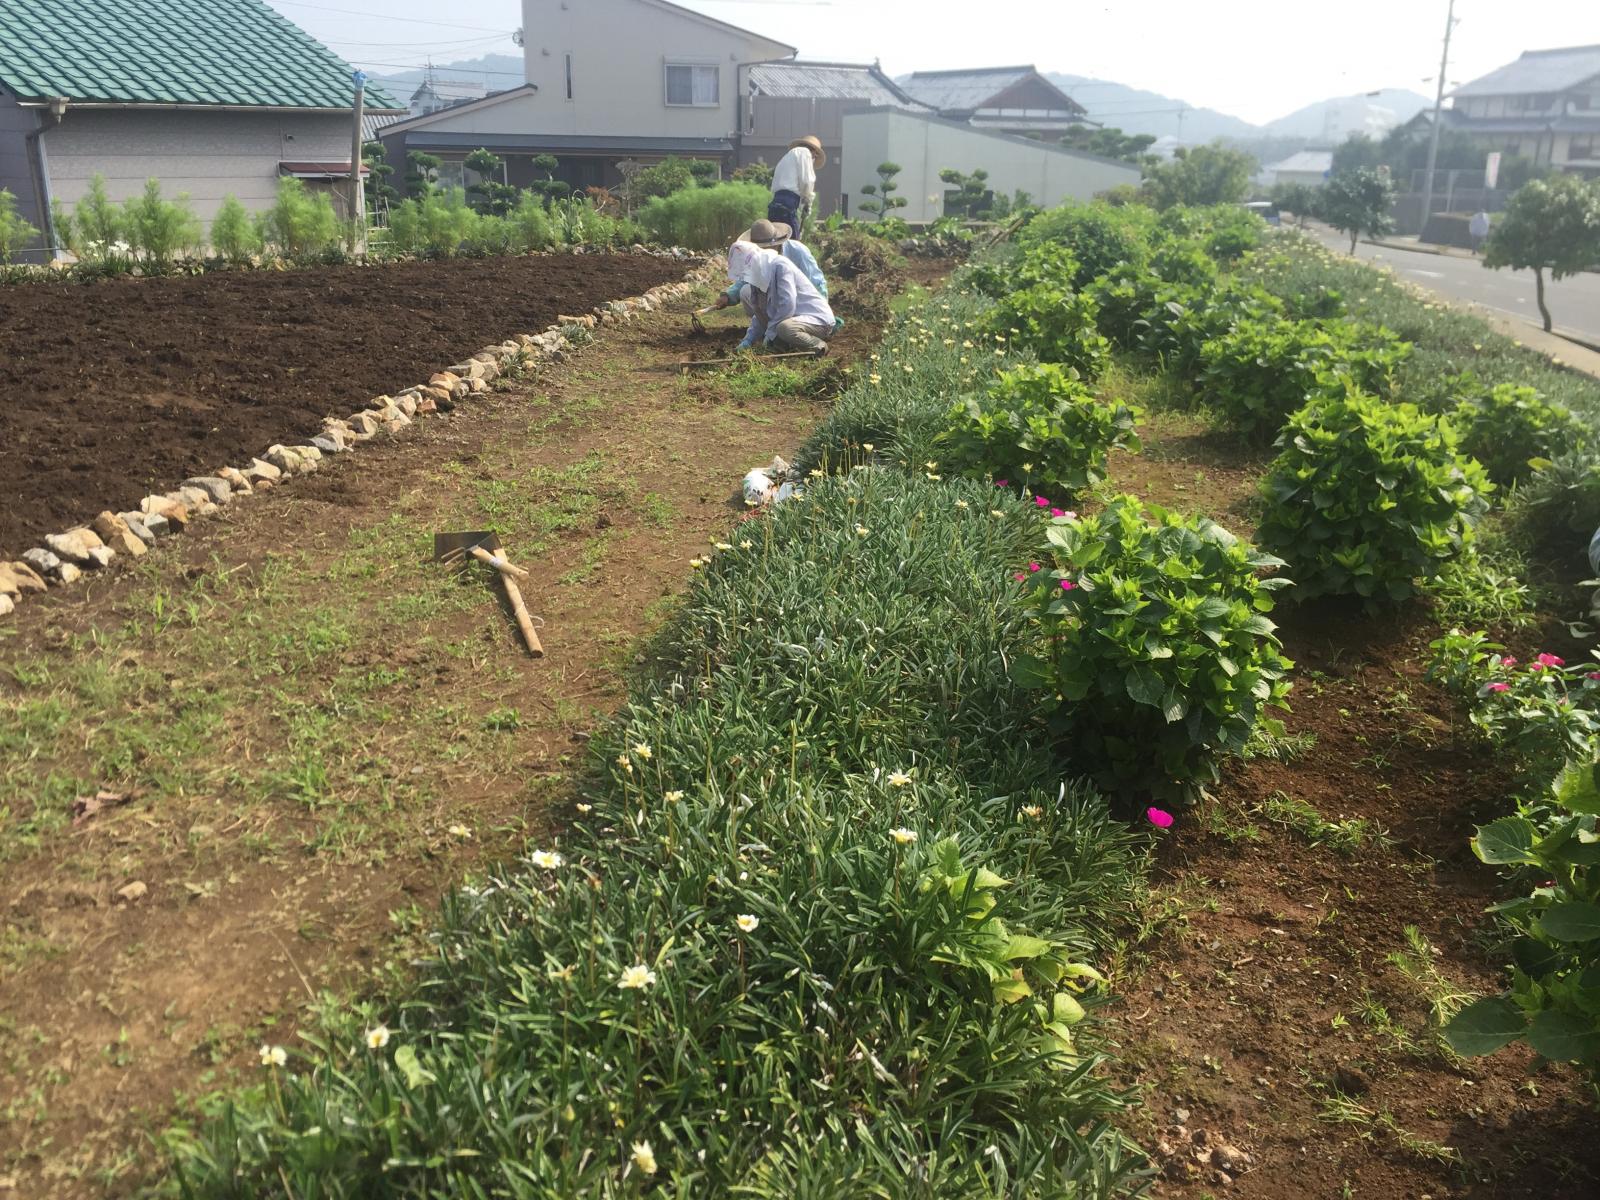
(1226, 231)
(1259, 372)
(233, 234)
(300, 223)
(1054, 323)
(1557, 509)
(1169, 323)
(1038, 427)
(1184, 261)
(705, 218)
(1102, 239)
(1044, 263)
(1155, 645)
(1366, 498)
(1511, 427)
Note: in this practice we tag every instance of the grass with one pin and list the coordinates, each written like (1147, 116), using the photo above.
(1346, 836)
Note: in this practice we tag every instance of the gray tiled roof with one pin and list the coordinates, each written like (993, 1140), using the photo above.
(964, 91)
(1538, 71)
(829, 81)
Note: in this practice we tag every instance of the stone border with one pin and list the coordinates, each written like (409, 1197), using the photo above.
(66, 557)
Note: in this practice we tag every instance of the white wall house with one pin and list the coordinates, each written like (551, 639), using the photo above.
(924, 145)
(211, 97)
(606, 81)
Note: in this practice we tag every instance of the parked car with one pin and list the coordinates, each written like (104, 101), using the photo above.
(1264, 209)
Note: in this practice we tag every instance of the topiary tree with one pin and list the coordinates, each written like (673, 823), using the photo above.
(1549, 225)
(15, 231)
(490, 194)
(422, 172)
(380, 192)
(1365, 498)
(886, 202)
(1358, 202)
(548, 188)
(972, 199)
(1200, 175)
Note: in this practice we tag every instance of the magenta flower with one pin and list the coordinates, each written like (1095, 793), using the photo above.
(1001, 483)
(1159, 817)
(1067, 585)
(1550, 660)
(1058, 512)
(1033, 566)
(1593, 675)
(1508, 661)
(1041, 502)
(1498, 687)
(1019, 577)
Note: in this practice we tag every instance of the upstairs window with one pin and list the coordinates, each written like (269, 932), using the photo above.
(694, 85)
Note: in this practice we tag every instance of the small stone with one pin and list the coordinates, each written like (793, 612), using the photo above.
(363, 425)
(444, 379)
(406, 404)
(115, 533)
(460, 390)
(1181, 1116)
(1221, 1179)
(478, 386)
(132, 892)
(490, 372)
(7, 605)
(1230, 1158)
(217, 489)
(101, 556)
(427, 405)
(19, 577)
(195, 498)
(74, 545)
(1352, 1081)
(309, 453)
(67, 573)
(286, 460)
(236, 480)
(139, 525)
(327, 445)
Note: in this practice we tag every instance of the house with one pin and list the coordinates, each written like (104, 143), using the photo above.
(433, 93)
(786, 100)
(1544, 107)
(607, 82)
(1308, 166)
(211, 97)
(924, 144)
(1015, 100)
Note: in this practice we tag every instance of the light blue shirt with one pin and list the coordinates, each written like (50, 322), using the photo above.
(800, 256)
(791, 295)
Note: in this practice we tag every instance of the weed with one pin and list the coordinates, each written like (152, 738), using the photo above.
(1345, 836)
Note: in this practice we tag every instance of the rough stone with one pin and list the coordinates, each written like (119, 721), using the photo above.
(115, 533)
(101, 556)
(444, 379)
(139, 525)
(311, 453)
(286, 460)
(363, 425)
(132, 892)
(197, 500)
(7, 605)
(74, 545)
(427, 405)
(259, 472)
(236, 480)
(491, 372)
(486, 355)
(478, 387)
(174, 512)
(460, 390)
(19, 577)
(327, 445)
(398, 419)
(406, 404)
(217, 489)
(158, 525)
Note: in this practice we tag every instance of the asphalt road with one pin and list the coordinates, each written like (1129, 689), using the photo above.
(1574, 302)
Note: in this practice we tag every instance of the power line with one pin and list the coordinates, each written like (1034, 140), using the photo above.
(463, 44)
(379, 16)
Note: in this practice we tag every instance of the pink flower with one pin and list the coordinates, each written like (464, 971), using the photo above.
(1593, 675)
(1070, 515)
(1041, 502)
(1498, 687)
(1000, 483)
(1550, 660)
(1033, 566)
(1159, 817)
(1508, 661)
(1067, 585)
(1019, 577)
(1057, 512)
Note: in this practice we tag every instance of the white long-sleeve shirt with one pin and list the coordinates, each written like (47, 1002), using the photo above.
(791, 295)
(796, 172)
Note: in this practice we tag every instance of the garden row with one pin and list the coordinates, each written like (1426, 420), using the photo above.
(824, 919)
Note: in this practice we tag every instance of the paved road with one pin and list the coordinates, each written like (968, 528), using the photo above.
(1574, 302)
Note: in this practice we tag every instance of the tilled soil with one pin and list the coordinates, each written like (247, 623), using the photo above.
(114, 389)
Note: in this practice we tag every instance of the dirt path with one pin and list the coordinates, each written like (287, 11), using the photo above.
(1303, 927)
(325, 729)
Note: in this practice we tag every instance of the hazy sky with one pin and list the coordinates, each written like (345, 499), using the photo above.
(1256, 59)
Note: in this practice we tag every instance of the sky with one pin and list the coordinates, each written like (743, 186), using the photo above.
(1255, 59)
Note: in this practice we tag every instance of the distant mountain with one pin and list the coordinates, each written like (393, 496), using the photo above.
(1134, 111)
(1336, 119)
(497, 71)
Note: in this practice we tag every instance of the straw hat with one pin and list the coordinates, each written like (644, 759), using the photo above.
(767, 233)
(813, 144)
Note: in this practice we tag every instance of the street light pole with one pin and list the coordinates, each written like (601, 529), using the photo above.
(358, 194)
(1438, 106)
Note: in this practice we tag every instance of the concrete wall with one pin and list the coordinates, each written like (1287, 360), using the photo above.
(207, 154)
(775, 121)
(16, 123)
(619, 50)
(924, 147)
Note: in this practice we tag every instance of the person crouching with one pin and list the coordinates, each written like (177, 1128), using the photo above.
(784, 306)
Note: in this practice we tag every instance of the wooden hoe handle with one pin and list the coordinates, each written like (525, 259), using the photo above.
(498, 562)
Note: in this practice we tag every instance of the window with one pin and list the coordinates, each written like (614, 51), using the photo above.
(569, 77)
(694, 85)
(1583, 148)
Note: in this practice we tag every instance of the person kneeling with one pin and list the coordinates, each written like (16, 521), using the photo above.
(784, 306)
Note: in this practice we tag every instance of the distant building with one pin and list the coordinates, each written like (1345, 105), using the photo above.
(211, 97)
(1015, 100)
(433, 93)
(1308, 166)
(786, 100)
(1544, 107)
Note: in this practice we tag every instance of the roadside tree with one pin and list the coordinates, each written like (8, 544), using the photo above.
(1357, 202)
(1549, 225)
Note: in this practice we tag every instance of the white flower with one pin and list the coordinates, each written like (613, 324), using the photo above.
(377, 1037)
(747, 922)
(673, 796)
(625, 763)
(697, 563)
(961, 504)
(862, 531)
(273, 1056)
(898, 779)
(548, 859)
(1032, 811)
(642, 749)
(644, 1158)
(636, 978)
(903, 836)
(459, 831)
(867, 446)
(995, 512)
(586, 808)
(724, 546)
(746, 544)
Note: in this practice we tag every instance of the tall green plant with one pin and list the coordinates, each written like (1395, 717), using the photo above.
(97, 223)
(704, 218)
(160, 229)
(1055, 323)
(1358, 201)
(300, 223)
(1549, 225)
(16, 233)
(233, 234)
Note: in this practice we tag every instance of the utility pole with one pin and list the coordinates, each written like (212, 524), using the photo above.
(358, 194)
(1438, 106)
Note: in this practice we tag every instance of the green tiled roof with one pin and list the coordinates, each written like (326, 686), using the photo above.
(236, 52)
